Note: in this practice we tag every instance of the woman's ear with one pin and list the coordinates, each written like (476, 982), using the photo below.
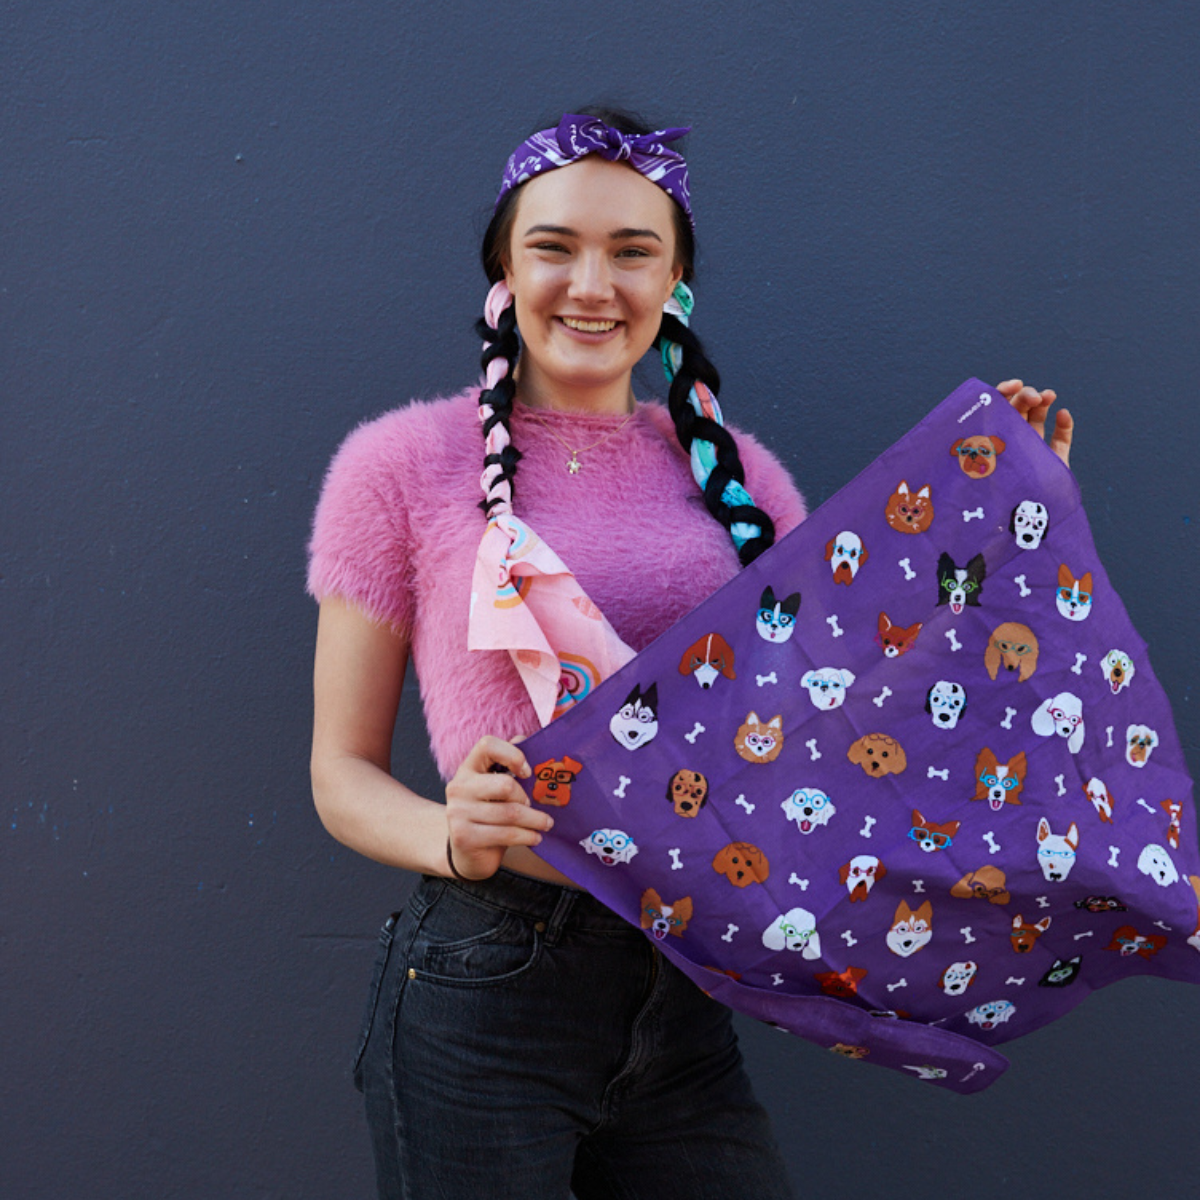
(676, 276)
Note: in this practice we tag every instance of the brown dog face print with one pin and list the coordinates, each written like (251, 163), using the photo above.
(977, 455)
(878, 755)
(742, 864)
(688, 792)
(1014, 647)
(553, 779)
(909, 511)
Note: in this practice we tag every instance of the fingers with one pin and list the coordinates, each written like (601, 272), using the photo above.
(1061, 438)
(493, 751)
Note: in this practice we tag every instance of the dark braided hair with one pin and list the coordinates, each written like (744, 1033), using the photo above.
(502, 341)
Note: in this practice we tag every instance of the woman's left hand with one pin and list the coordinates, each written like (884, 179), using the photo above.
(1033, 406)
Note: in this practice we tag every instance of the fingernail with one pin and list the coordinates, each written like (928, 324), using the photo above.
(526, 771)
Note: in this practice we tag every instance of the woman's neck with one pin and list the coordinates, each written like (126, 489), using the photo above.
(609, 399)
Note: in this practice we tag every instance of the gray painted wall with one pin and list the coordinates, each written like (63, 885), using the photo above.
(232, 230)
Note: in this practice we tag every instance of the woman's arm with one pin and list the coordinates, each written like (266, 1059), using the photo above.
(357, 679)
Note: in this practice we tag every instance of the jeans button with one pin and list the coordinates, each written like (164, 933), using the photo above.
(540, 927)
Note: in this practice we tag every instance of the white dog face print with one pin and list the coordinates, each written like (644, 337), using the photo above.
(808, 807)
(945, 702)
(957, 977)
(1030, 523)
(1140, 741)
(827, 687)
(988, 1016)
(1117, 668)
(610, 846)
(794, 930)
(845, 554)
(1056, 851)
(1155, 862)
(1061, 715)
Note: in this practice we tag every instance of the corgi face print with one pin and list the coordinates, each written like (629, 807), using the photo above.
(809, 808)
(1155, 862)
(1014, 647)
(878, 755)
(708, 658)
(757, 741)
(911, 930)
(1117, 668)
(1101, 798)
(860, 875)
(553, 779)
(957, 977)
(794, 930)
(1140, 741)
(999, 783)
(845, 555)
(977, 455)
(776, 619)
(895, 640)
(930, 836)
(611, 846)
(661, 918)
(1062, 974)
(1056, 851)
(992, 1014)
(988, 883)
(908, 511)
(742, 864)
(688, 792)
(945, 702)
(960, 587)
(1074, 596)
(1025, 935)
(827, 687)
(636, 722)
(1062, 716)
(841, 984)
(1126, 941)
(1030, 522)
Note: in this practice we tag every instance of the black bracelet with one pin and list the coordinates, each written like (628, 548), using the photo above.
(453, 869)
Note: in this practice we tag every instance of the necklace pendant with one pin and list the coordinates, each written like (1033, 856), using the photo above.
(574, 465)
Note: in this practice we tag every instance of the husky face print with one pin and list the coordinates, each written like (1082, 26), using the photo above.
(776, 619)
(827, 687)
(945, 702)
(960, 586)
(636, 722)
(1030, 522)
(808, 807)
(1062, 974)
(794, 930)
(610, 846)
(992, 1014)
(1074, 596)
(1155, 862)
(1060, 715)
(957, 977)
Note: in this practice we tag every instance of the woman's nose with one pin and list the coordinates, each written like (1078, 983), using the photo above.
(590, 280)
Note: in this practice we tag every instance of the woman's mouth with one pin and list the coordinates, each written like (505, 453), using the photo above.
(580, 325)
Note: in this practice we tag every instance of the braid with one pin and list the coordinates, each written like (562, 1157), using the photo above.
(501, 347)
(693, 380)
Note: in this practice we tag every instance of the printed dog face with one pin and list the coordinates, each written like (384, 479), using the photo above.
(1074, 596)
(776, 619)
(992, 1014)
(960, 586)
(1030, 522)
(707, 658)
(1174, 811)
(688, 792)
(1100, 904)
(1013, 646)
(636, 722)
(911, 930)
(1140, 741)
(1024, 936)
(909, 512)
(860, 875)
(878, 755)
(1056, 851)
(931, 836)
(742, 864)
(759, 741)
(896, 640)
(977, 455)
(1062, 973)
(827, 687)
(957, 977)
(988, 883)
(1117, 667)
(999, 784)
(1127, 941)
(794, 930)
(945, 702)
(1155, 862)
(553, 779)
(808, 807)
(1101, 798)
(661, 918)
(842, 984)
(1060, 715)
(611, 846)
(845, 554)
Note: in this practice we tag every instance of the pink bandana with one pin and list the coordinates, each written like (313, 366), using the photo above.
(524, 599)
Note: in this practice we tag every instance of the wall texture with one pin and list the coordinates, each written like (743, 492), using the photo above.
(232, 230)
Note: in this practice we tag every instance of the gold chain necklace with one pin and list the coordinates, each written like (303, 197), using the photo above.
(574, 466)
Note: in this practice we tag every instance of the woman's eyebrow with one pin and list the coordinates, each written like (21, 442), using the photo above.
(616, 235)
(622, 234)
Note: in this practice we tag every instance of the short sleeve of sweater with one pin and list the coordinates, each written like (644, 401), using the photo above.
(360, 542)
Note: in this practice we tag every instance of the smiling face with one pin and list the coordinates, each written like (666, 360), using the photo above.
(591, 260)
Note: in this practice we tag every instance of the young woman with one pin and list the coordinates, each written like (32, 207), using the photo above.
(521, 1040)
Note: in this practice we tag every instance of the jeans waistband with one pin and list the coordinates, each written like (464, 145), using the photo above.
(562, 908)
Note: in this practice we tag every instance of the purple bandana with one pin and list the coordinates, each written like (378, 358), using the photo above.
(907, 785)
(577, 136)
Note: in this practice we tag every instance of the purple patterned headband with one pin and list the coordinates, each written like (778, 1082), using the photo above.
(578, 136)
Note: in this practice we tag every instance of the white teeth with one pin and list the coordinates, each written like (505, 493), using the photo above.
(589, 326)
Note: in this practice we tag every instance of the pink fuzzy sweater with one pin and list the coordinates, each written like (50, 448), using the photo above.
(398, 524)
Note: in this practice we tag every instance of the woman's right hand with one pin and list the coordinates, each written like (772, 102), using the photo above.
(487, 811)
